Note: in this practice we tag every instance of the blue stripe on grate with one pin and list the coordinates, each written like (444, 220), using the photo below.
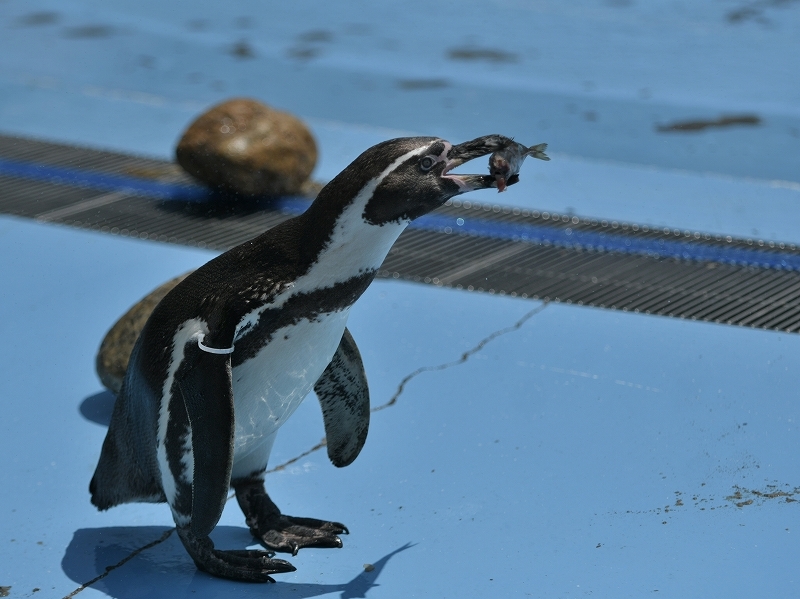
(530, 233)
(625, 244)
(102, 181)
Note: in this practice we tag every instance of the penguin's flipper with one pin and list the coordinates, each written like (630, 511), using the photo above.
(204, 381)
(344, 395)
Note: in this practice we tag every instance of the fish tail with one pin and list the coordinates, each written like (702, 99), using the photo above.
(537, 151)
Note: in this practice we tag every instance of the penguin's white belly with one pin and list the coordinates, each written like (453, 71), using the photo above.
(269, 387)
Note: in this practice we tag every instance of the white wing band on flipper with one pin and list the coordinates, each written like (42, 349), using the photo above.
(212, 350)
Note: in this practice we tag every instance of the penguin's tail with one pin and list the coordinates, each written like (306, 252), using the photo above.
(118, 481)
(111, 483)
(121, 475)
(537, 151)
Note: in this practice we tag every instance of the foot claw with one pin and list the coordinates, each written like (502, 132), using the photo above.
(287, 534)
(246, 565)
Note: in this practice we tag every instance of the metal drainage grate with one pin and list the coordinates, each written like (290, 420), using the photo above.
(465, 245)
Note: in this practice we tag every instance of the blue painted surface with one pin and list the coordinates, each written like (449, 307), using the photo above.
(588, 452)
(553, 462)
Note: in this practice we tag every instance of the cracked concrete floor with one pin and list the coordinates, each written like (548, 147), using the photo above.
(555, 451)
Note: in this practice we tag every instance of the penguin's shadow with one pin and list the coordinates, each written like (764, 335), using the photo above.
(97, 408)
(166, 570)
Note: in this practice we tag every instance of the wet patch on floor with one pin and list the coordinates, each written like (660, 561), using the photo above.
(472, 53)
(422, 84)
(357, 28)
(89, 32)
(316, 36)
(756, 11)
(37, 19)
(303, 53)
(307, 46)
(242, 50)
(197, 25)
(750, 120)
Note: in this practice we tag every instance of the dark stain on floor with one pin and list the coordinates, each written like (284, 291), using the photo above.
(357, 29)
(89, 32)
(756, 11)
(472, 53)
(36, 19)
(303, 53)
(197, 25)
(750, 120)
(308, 44)
(316, 36)
(242, 50)
(742, 497)
(422, 84)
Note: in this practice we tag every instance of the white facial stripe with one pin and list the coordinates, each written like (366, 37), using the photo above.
(443, 156)
(393, 166)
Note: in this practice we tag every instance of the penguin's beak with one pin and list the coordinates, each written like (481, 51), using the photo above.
(469, 150)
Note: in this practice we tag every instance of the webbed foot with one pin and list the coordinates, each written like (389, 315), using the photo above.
(245, 565)
(279, 532)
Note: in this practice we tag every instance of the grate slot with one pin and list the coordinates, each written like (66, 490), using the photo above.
(474, 257)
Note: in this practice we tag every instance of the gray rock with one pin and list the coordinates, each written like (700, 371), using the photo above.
(248, 148)
(115, 350)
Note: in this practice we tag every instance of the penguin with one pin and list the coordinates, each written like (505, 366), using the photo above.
(228, 355)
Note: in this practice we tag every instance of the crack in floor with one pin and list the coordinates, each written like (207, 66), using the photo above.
(402, 385)
(122, 562)
(392, 401)
(464, 357)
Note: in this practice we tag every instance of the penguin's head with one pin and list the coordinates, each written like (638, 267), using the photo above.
(404, 178)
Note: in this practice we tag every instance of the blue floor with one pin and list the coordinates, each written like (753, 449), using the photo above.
(577, 451)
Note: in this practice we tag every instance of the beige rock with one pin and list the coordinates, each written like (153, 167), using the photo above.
(115, 350)
(247, 147)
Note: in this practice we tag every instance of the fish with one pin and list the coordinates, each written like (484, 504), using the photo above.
(504, 164)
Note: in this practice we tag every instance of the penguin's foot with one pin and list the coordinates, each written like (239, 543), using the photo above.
(288, 534)
(279, 532)
(245, 565)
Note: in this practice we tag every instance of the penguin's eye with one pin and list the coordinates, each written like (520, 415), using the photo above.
(427, 163)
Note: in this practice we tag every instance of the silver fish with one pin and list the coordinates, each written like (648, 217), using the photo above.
(505, 164)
